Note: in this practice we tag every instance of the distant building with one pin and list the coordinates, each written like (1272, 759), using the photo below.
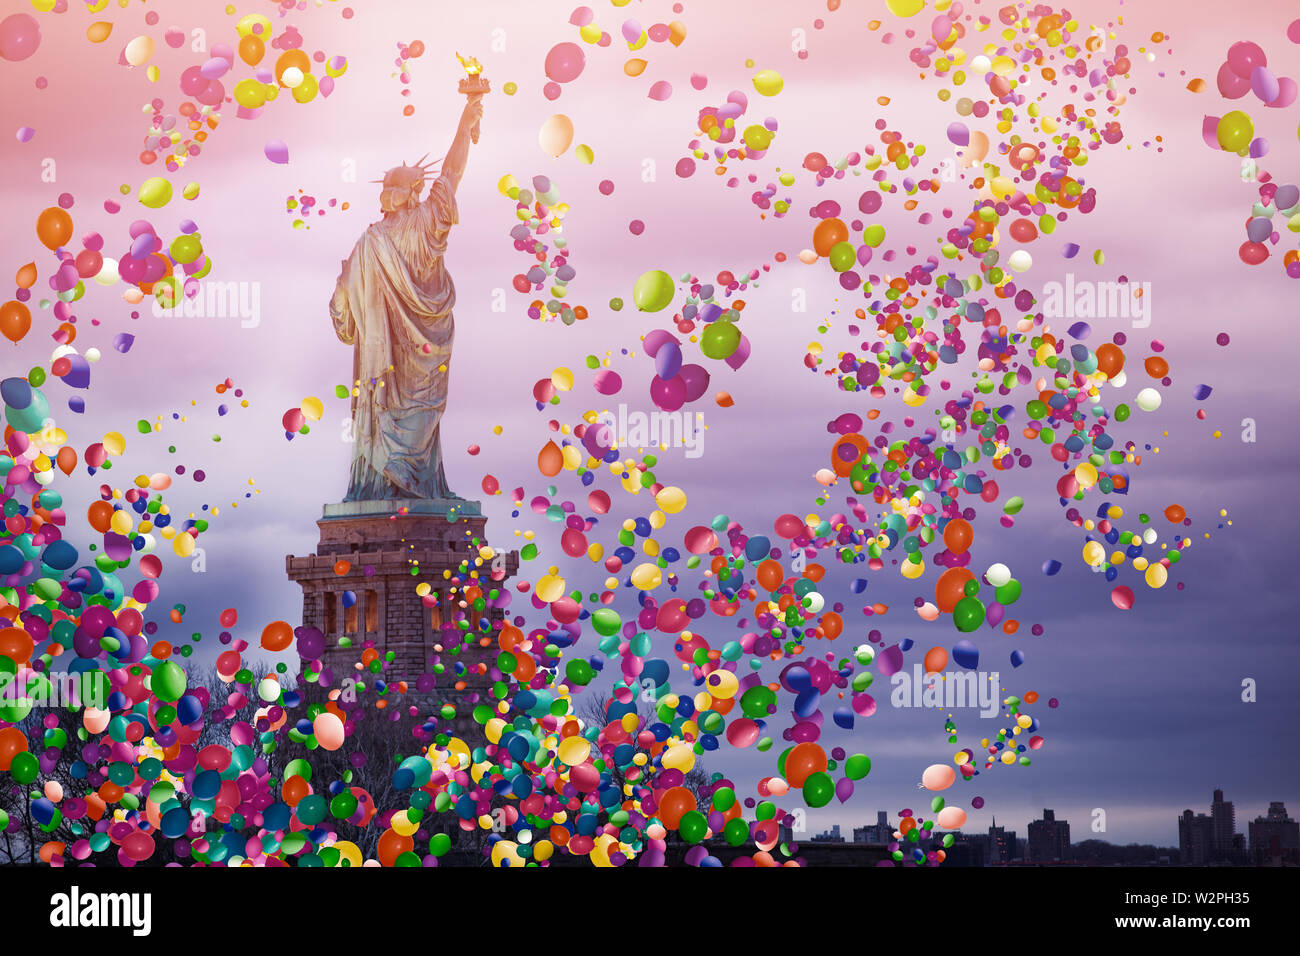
(966, 850)
(1002, 844)
(829, 836)
(1049, 839)
(1195, 839)
(879, 832)
(1224, 819)
(1275, 838)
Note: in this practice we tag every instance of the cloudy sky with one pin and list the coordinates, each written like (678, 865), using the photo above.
(1151, 716)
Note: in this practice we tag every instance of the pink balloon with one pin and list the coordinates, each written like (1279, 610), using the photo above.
(607, 382)
(661, 90)
(1231, 85)
(565, 62)
(1286, 93)
(1244, 56)
(696, 379)
(20, 35)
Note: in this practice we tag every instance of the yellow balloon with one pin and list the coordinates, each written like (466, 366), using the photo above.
(574, 750)
(679, 757)
(1157, 574)
(249, 93)
(905, 8)
(1085, 474)
(1094, 554)
(671, 499)
(768, 82)
(646, 577)
(550, 587)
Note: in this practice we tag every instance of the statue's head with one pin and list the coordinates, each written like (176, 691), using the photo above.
(403, 184)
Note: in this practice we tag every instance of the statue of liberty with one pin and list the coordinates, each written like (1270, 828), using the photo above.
(393, 303)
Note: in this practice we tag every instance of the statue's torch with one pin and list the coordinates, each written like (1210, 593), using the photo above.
(474, 84)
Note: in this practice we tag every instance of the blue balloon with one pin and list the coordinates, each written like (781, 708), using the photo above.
(16, 392)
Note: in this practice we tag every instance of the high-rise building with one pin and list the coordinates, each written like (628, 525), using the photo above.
(1002, 844)
(1274, 838)
(1049, 839)
(1224, 819)
(1195, 839)
(879, 832)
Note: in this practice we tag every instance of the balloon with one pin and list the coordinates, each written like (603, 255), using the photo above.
(15, 321)
(555, 135)
(719, 339)
(939, 776)
(565, 62)
(54, 227)
(768, 82)
(818, 789)
(958, 535)
(277, 635)
(653, 291)
(968, 614)
(329, 731)
(1234, 131)
(803, 761)
(828, 233)
(1244, 56)
(20, 35)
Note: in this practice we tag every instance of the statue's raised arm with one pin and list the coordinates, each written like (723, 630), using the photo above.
(453, 166)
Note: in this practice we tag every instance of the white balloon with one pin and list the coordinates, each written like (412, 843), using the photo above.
(998, 575)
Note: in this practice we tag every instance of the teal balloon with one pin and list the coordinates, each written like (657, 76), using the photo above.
(32, 418)
(818, 789)
(653, 291)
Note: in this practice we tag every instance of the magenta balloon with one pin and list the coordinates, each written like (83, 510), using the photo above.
(598, 439)
(696, 380)
(1264, 83)
(737, 358)
(655, 339)
(742, 732)
(607, 381)
(668, 395)
(843, 789)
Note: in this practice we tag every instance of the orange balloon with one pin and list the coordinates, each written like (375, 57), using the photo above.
(54, 227)
(827, 234)
(12, 743)
(277, 635)
(770, 575)
(252, 49)
(294, 789)
(66, 460)
(936, 659)
(1156, 366)
(958, 535)
(392, 845)
(15, 321)
(676, 803)
(803, 761)
(832, 625)
(1110, 359)
(99, 514)
(950, 588)
(16, 644)
(26, 277)
(291, 58)
(1175, 514)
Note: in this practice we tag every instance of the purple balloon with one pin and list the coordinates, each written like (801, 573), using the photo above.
(843, 789)
(656, 339)
(1264, 84)
(668, 360)
(958, 134)
(737, 358)
(1259, 229)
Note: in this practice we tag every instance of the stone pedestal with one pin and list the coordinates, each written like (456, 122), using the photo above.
(390, 548)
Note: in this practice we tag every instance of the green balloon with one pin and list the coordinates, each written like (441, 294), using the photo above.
(818, 789)
(756, 702)
(1009, 593)
(579, 672)
(724, 798)
(24, 767)
(719, 339)
(693, 826)
(653, 291)
(857, 766)
(968, 614)
(736, 832)
(343, 805)
(606, 621)
(168, 682)
(439, 844)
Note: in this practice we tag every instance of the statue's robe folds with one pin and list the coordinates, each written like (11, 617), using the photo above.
(393, 301)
